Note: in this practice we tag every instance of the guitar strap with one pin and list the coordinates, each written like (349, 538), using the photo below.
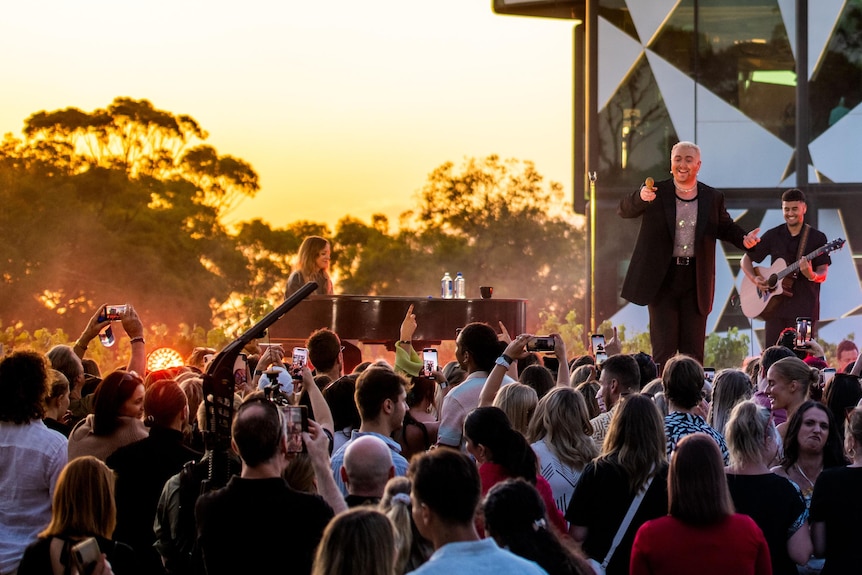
(788, 281)
(800, 253)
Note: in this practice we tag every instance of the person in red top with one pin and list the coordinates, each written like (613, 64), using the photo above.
(503, 453)
(701, 533)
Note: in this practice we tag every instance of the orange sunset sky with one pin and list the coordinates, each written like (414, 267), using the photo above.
(342, 107)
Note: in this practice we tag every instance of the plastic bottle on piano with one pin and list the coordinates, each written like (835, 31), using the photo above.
(460, 288)
(446, 286)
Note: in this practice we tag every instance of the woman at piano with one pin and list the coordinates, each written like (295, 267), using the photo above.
(312, 265)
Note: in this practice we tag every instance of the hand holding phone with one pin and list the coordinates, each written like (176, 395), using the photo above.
(112, 313)
(541, 343)
(85, 554)
(300, 358)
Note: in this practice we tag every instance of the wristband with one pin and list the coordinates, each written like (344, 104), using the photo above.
(138, 339)
(78, 344)
(405, 342)
(504, 360)
(258, 372)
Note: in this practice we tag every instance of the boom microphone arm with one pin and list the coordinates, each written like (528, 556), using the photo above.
(219, 386)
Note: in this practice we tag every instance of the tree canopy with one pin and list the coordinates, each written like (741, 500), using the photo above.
(127, 204)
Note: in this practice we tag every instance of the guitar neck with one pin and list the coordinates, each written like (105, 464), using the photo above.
(794, 267)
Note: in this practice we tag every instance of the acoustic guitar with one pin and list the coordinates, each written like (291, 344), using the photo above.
(757, 303)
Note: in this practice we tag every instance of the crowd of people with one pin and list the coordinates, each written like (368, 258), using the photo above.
(503, 460)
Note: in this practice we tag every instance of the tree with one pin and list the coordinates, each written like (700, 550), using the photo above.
(117, 205)
(494, 220)
(726, 352)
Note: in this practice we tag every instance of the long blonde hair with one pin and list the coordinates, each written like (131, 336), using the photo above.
(360, 540)
(518, 401)
(83, 503)
(561, 419)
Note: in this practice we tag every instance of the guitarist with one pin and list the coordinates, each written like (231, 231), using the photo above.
(791, 241)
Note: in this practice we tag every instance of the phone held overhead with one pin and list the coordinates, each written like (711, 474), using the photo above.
(541, 343)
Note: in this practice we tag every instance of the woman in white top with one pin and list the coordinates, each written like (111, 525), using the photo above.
(560, 433)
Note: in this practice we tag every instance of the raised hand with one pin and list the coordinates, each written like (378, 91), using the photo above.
(408, 326)
(648, 190)
(750, 239)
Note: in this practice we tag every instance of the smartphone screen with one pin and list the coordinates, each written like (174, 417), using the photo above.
(300, 358)
(601, 356)
(597, 341)
(709, 374)
(541, 343)
(826, 374)
(429, 360)
(240, 372)
(295, 419)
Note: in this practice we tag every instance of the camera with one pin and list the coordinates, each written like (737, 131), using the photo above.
(113, 312)
(541, 343)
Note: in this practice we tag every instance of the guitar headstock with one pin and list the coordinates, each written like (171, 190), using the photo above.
(835, 244)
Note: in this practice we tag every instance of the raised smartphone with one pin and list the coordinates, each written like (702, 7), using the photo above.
(429, 361)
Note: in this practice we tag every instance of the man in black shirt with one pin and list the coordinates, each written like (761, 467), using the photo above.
(784, 242)
(257, 521)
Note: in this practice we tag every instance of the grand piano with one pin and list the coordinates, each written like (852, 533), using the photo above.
(377, 319)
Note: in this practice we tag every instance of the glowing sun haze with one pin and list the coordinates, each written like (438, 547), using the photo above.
(342, 107)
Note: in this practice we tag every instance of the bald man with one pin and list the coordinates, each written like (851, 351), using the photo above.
(366, 469)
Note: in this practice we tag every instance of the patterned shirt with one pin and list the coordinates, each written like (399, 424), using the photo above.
(600, 424)
(678, 424)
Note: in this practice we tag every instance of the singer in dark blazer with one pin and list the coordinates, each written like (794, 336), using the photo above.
(672, 269)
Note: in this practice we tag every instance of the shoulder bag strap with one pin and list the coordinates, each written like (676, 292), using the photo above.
(627, 520)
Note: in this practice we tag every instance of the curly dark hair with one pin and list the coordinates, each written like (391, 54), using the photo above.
(23, 386)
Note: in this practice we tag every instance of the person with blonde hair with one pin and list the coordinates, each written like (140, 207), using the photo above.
(518, 401)
(83, 506)
(788, 385)
(701, 533)
(312, 265)
(412, 548)
(730, 387)
(360, 540)
(633, 462)
(775, 504)
(560, 435)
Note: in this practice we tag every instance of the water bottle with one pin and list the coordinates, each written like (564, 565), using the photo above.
(460, 288)
(446, 287)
